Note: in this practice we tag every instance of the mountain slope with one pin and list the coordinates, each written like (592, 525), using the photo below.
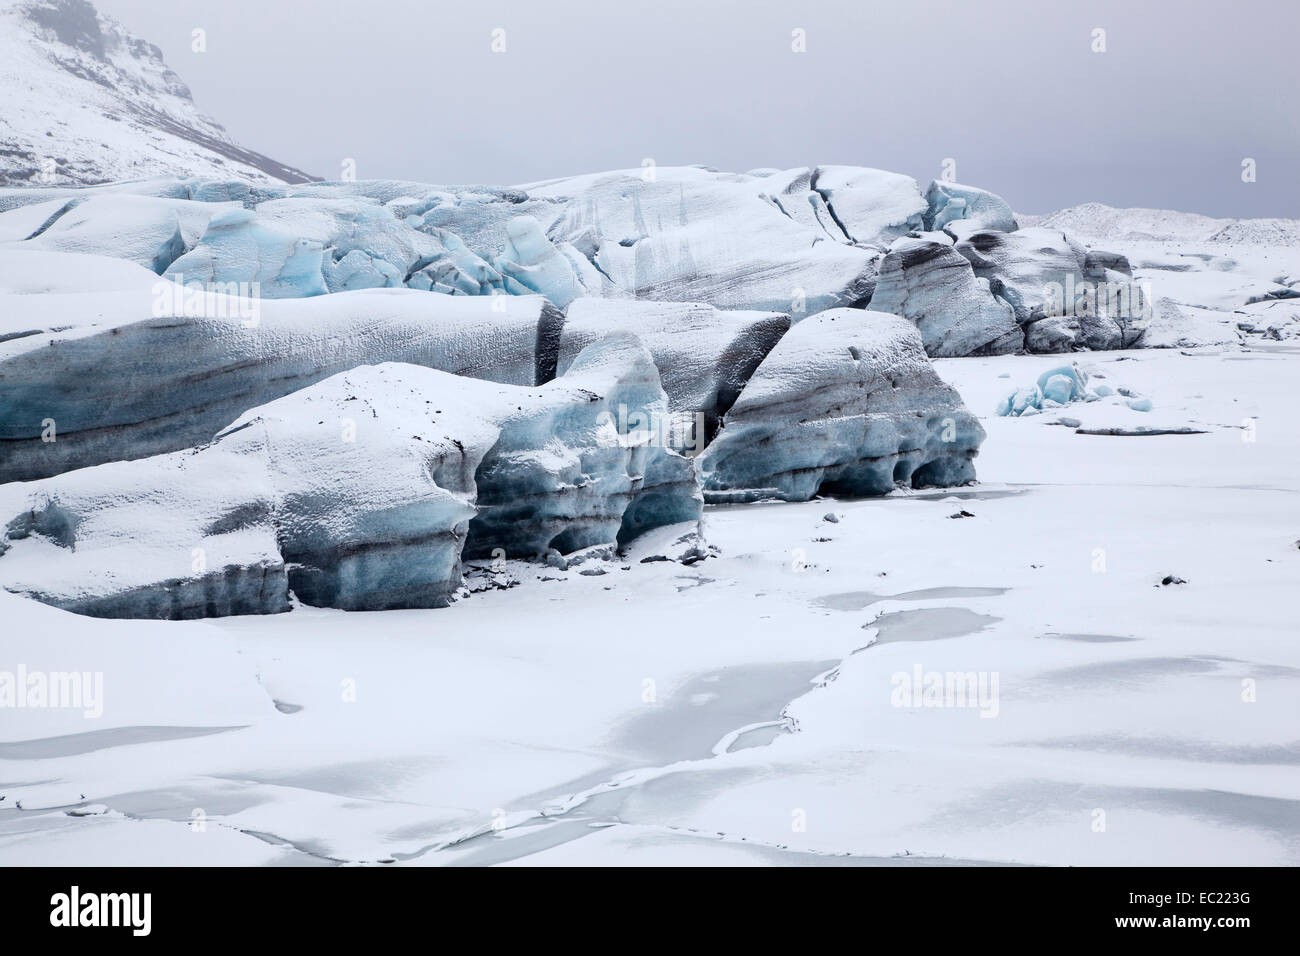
(86, 102)
(1098, 221)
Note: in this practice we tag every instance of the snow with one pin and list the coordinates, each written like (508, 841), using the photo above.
(873, 206)
(1098, 221)
(27, 271)
(149, 231)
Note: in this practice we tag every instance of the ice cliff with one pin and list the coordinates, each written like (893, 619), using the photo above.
(359, 492)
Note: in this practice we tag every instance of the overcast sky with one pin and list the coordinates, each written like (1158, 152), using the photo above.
(1010, 89)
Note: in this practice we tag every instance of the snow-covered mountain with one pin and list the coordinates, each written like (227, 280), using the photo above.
(1095, 220)
(87, 102)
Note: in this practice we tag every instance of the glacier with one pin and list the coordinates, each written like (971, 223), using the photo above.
(86, 379)
(359, 492)
(795, 241)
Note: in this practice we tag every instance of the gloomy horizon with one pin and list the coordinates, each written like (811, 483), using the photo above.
(1182, 95)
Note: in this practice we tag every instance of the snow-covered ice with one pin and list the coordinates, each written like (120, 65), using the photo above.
(158, 368)
(496, 731)
(846, 403)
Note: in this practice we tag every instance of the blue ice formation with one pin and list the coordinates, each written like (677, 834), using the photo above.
(530, 260)
(795, 241)
(1060, 386)
(238, 247)
(975, 208)
(359, 492)
(580, 461)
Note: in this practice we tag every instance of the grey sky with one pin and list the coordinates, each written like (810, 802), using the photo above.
(1008, 88)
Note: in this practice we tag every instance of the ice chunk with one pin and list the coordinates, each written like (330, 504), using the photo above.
(531, 260)
(1025, 267)
(356, 493)
(1022, 399)
(480, 214)
(580, 461)
(455, 270)
(846, 403)
(179, 537)
(1070, 383)
(1060, 298)
(933, 286)
(238, 247)
(138, 373)
(977, 208)
(1056, 387)
(705, 355)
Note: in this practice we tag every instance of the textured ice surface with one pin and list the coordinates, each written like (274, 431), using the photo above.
(237, 247)
(873, 206)
(530, 260)
(1043, 274)
(143, 229)
(932, 285)
(305, 246)
(580, 461)
(117, 381)
(684, 234)
(1022, 265)
(846, 403)
(675, 233)
(976, 208)
(356, 493)
(705, 355)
